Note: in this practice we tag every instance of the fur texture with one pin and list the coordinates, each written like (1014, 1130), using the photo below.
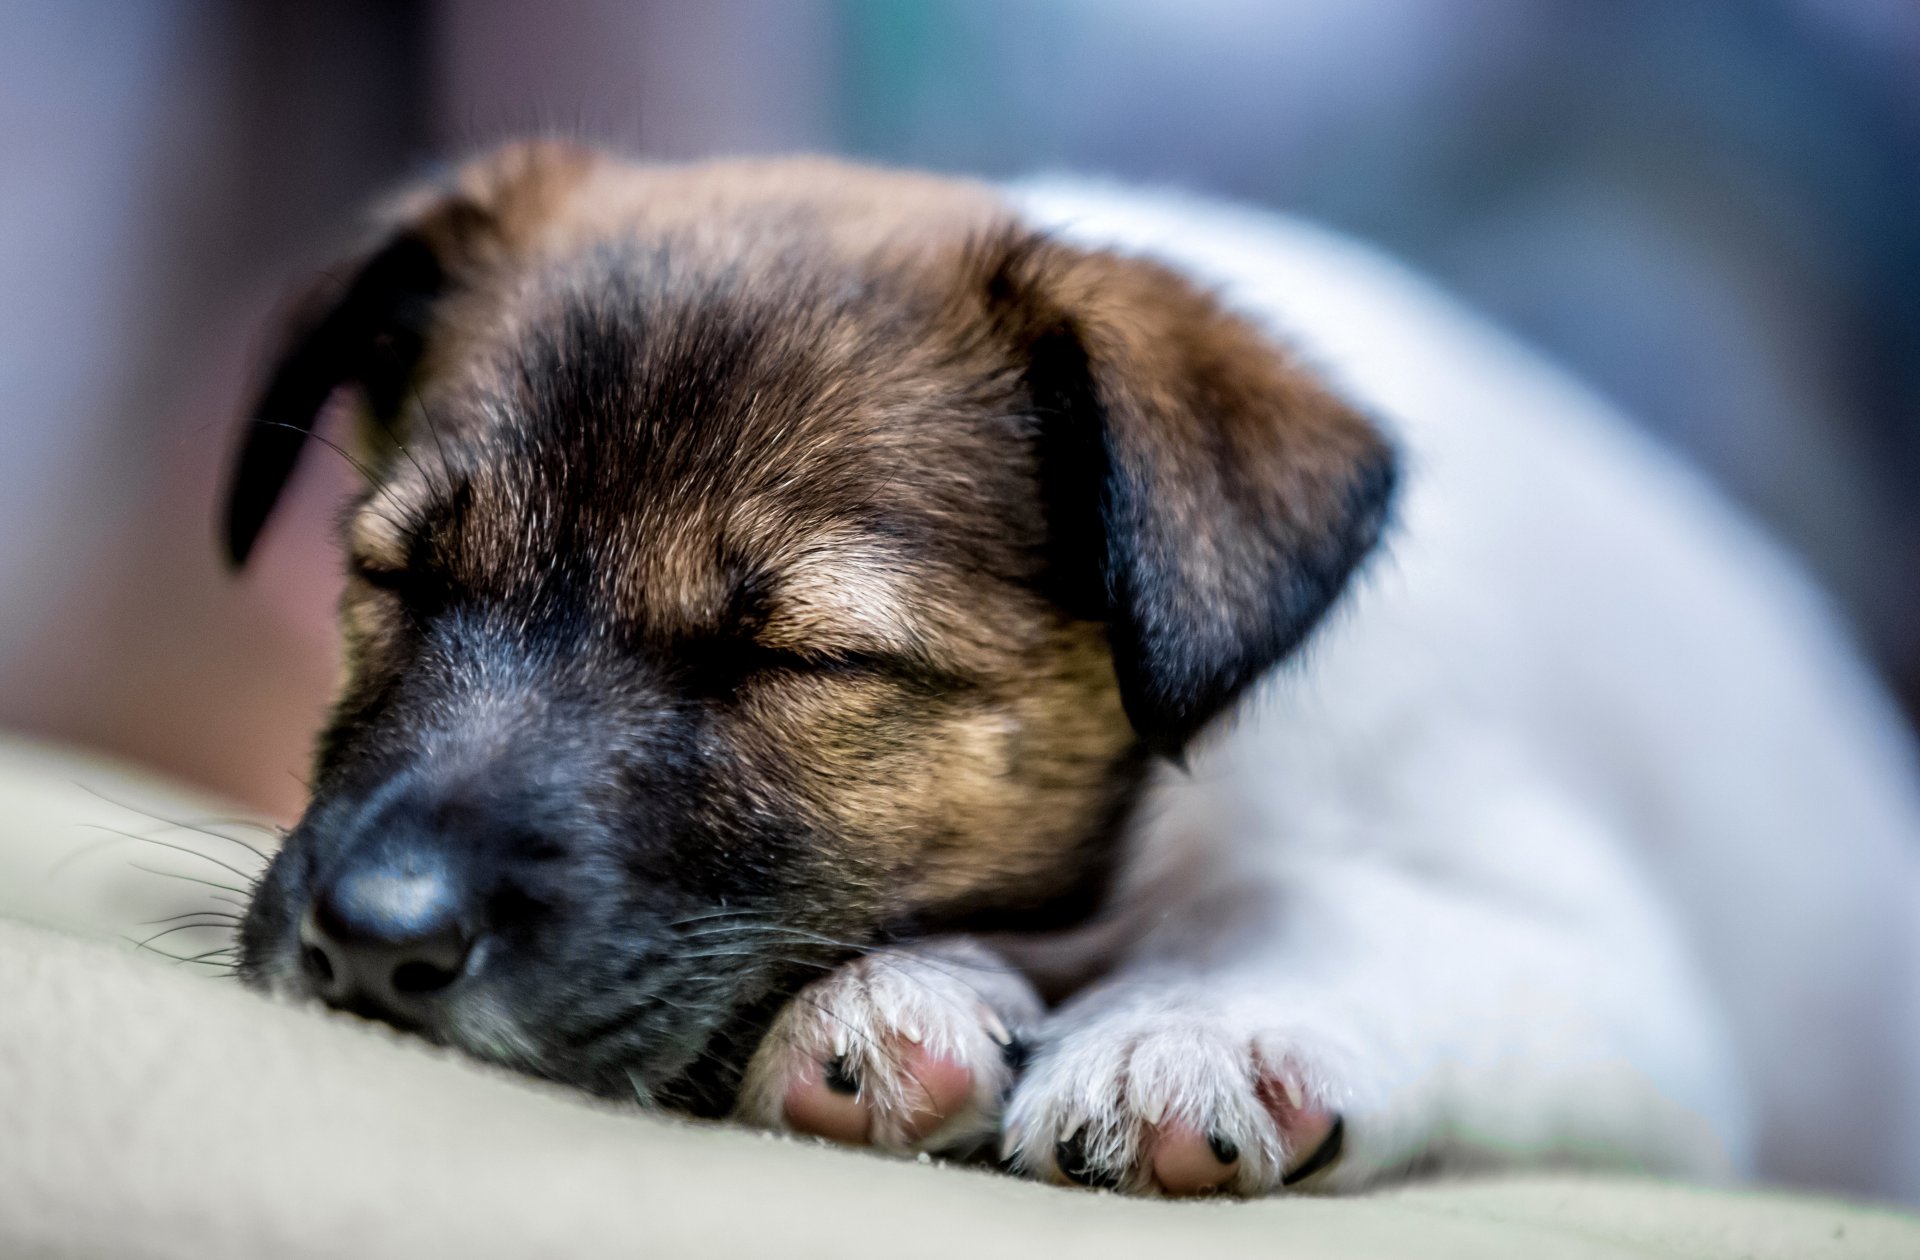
(1579, 833)
(771, 570)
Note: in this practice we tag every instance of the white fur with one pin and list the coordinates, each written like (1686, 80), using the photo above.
(953, 996)
(1578, 832)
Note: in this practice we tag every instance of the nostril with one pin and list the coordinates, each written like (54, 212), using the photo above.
(389, 937)
(319, 966)
(422, 977)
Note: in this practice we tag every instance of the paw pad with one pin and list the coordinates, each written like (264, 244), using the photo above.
(906, 1051)
(1173, 1104)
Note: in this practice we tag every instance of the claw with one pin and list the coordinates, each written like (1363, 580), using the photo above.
(1070, 1157)
(839, 1078)
(1322, 1159)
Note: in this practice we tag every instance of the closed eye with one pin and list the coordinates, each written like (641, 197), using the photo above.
(379, 576)
(828, 660)
(422, 588)
(721, 666)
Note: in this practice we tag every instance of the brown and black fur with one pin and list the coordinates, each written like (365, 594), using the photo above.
(785, 540)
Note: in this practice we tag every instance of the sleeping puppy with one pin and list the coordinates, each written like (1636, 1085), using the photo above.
(831, 647)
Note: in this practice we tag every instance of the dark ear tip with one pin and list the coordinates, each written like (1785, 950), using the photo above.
(1165, 731)
(235, 553)
(240, 527)
(1377, 489)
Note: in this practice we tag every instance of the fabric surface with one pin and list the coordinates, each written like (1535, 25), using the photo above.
(147, 1112)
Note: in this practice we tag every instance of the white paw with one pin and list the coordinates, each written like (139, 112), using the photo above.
(1152, 1097)
(909, 1049)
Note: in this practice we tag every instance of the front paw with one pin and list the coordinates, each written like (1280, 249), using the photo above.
(1148, 1099)
(911, 1049)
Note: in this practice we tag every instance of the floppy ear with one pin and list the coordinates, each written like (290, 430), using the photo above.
(368, 332)
(371, 329)
(1206, 496)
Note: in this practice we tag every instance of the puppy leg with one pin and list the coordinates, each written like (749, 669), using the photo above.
(1345, 1014)
(908, 1049)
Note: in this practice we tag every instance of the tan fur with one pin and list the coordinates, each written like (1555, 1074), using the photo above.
(787, 542)
(990, 790)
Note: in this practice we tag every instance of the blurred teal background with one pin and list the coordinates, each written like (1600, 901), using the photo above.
(1707, 208)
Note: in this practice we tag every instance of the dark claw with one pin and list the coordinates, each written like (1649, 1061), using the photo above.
(839, 1079)
(1017, 1053)
(1223, 1148)
(1324, 1158)
(1070, 1156)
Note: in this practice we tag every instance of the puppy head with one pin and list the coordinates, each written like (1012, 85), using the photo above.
(759, 563)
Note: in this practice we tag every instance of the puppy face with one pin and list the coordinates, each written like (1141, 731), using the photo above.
(760, 563)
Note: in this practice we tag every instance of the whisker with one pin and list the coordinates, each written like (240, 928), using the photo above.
(189, 878)
(188, 826)
(433, 429)
(728, 1069)
(215, 914)
(254, 849)
(233, 820)
(815, 964)
(325, 441)
(387, 426)
(78, 854)
(203, 959)
(177, 848)
(375, 483)
(704, 955)
(715, 914)
(184, 927)
(747, 937)
(892, 956)
(946, 966)
(722, 930)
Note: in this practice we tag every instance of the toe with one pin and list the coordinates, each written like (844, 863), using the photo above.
(1072, 1164)
(823, 1101)
(1311, 1133)
(1307, 1131)
(1188, 1161)
(943, 1087)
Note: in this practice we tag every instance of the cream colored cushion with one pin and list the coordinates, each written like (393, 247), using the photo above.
(148, 1112)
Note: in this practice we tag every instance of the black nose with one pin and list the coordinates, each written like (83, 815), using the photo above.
(388, 937)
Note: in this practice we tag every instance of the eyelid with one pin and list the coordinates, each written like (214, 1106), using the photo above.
(828, 660)
(822, 647)
(905, 668)
(379, 576)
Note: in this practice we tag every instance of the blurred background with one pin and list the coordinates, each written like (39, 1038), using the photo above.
(1709, 209)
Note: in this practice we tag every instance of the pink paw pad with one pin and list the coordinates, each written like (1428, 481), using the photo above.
(1186, 1161)
(824, 1100)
